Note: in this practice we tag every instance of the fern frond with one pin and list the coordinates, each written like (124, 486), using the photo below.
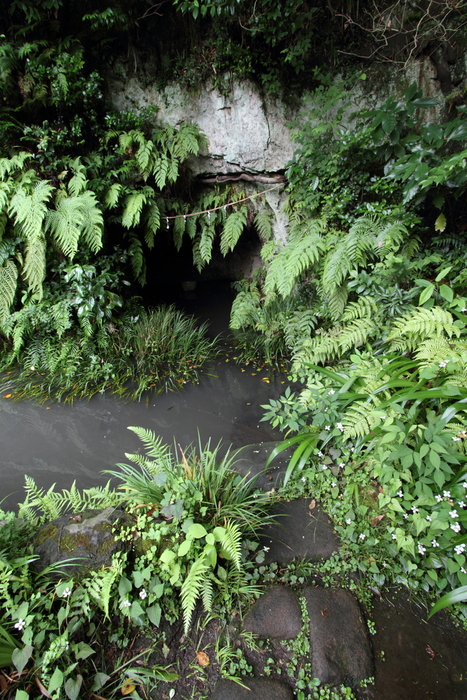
(99, 586)
(8, 283)
(160, 170)
(205, 243)
(359, 420)
(365, 306)
(232, 542)
(153, 223)
(29, 210)
(337, 300)
(154, 444)
(244, 308)
(421, 324)
(233, 229)
(192, 587)
(78, 182)
(137, 259)
(207, 594)
(134, 203)
(355, 333)
(93, 221)
(34, 264)
(178, 231)
(112, 195)
(263, 224)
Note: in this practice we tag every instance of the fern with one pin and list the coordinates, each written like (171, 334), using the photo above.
(160, 170)
(414, 327)
(112, 195)
(47, 502)
(30, 210)
(78, 182)
(205, 244)
(231, 543)
(8, 282)
(263, 224)
(99, 586)
(133, 207)
(138, 263)
(192, 587)
(244, 308)
(154, 444)
(153, 223)
(233, 229)
(34, 264)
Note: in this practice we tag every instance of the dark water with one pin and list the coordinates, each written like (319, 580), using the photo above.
(57, 443)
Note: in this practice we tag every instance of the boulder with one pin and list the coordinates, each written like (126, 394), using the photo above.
(257, 688)
(88, 536)
(276, 615)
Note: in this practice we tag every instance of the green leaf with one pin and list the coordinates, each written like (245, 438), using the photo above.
(154, 614)
(446, 292)
(440, 223)
(84, 650)
(100, 679)
(167, 556)
(20, 657)
(185, 547)
(56, 681)
(426, 294)
(136, 610)
(21, 695)
(458, 595)
(73, 686)
(441, 275)
(196, 531)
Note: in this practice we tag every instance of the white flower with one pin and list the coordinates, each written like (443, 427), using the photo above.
(328, 427)
(453, 514)
(266, 549)
(361, 536)
(303, 478)
(439, 498)
(342, 465)
(400, 493)
(20, 624)
(405, 516)
(331, 392)
(414, 510)
(394, 536)
(464, 484)
(66, 592)
(324, 467)
(461, 504)
(349, 521)
(340, 427)
(126, 604)
(456, 439)
(143, 594)
(456, 527)
(333, 484)
(443, 363)
(434, 543)
(447, 494)
(429, 518)
(463, 570)
(459, 548)
(320, 454)
(421, 548)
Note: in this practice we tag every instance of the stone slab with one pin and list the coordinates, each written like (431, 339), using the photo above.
(275, 615)
(257, 688)
(300, 531)
(340, 649)
(252, 459)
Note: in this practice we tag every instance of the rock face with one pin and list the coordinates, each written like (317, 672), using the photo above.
(87, 536)
(246, 132)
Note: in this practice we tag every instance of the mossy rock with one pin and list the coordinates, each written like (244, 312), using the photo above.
(89, 536)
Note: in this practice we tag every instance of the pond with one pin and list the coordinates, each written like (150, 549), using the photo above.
(58, 443)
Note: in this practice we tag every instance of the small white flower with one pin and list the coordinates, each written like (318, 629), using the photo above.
(320, 454)
(439, 498)
(143, 594)
(453, 514)
(66, 592)
(362, 536)
(456, 439)
(429, 518)
(394, 536)
(349, 521)
(421, 548)
(266, 549)
(328, 427)
(20, 624)
(340, 427)
(434, 543)
(352, 449)
(456, 527)
(463, 570)
(459, 548)
(342, 465)
(443, 364)
(461, 504)
(333, 484)
(126, 604)
(464, 484)
(324, 467)
(400, 493)
(447, 494)
(414, 510)
(405, 516)
(303, 478)
(331, 392)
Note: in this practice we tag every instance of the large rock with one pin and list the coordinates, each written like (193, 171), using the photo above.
(302, 531)
(251, 460)
(257, 688)
(88, 536)
(340, 650)
(276, 615)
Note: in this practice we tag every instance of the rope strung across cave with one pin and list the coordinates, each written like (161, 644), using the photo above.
(222, 206)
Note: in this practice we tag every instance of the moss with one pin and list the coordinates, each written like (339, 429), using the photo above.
(70, 542)
(48, 532)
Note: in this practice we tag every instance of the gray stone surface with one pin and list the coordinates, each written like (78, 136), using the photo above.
(258, 688)
(87, 535)
(338, 636)
(300, 531)
(252, 459)
(276, 615)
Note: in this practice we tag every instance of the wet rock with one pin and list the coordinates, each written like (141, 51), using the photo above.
(88, 536)
(257, 688)
(300, 531)
(339, 642)
(276, 615)
(252, 460)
